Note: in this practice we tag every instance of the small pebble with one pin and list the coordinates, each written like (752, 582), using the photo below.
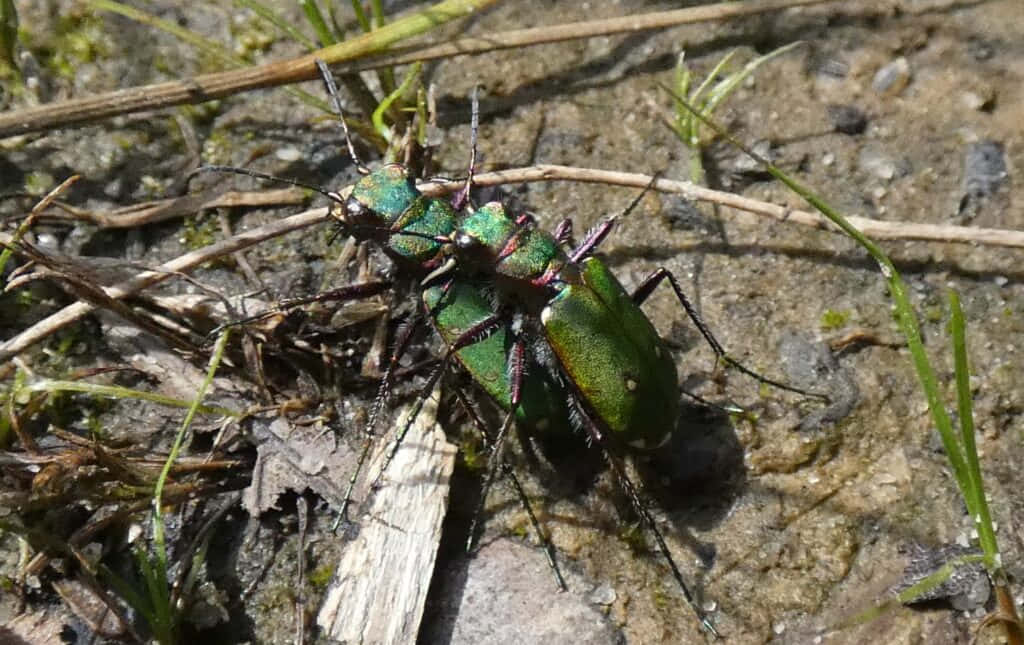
(834, 67)
(979, 49)
(47, 241)
(973, 100)
(288, 153)
(603, 595)
(877, 163)
(893, 77)
(984, 168)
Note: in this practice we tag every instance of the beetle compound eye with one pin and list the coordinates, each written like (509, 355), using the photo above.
(354, 208)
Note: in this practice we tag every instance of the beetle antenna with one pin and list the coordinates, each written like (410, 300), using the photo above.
(332, 91)
(255, 174)
(462, 197)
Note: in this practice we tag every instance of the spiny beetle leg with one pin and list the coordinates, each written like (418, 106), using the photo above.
(563, 232)
(348, 292)
(634, 494)
(401, 344)
(517, 359)
(509, 472)
(652, 281)
(478, 332)
(597, 234)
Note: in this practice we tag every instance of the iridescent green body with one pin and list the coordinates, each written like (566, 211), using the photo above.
(457, 308)
(386, 203)
(383, 206)
(609, 350)
(614, 357)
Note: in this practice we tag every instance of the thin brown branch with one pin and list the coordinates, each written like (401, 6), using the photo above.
(165, 209)
(212, 86)
(145, 279)
(874, 228)
(577, 30)
(878, 229)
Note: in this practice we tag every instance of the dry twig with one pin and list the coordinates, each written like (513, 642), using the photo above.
(164, 209)
(873, 228)
(212, 86)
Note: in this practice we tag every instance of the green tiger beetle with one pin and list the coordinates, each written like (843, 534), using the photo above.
(510, 300)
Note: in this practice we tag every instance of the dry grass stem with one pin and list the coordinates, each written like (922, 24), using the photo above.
(878, 229)
(165, 209)
(207, 87)
(874, 228)
(145, 279)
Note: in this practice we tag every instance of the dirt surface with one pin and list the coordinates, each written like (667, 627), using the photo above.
(789, 521)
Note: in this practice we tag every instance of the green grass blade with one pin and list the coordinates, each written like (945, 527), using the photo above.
(316, 20)
(722, 90)
(401, 29)
(935, 579)
(128, 593)
(154, 574)
(202, 44)
(708, 80)
(282, 25)
(157, 579)
(683, 77)
(218, 353)
(386, 75)
(377, 8)
(361, 17)
(118, 392)
(915, 591)
(8, 34)
(378, 114)
(982, 518)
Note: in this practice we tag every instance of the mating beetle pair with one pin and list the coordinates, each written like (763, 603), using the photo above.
(546, 330)
(541, 324)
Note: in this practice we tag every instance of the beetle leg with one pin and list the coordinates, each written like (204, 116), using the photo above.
(401, 344)
(597, 234)
(474, 334)
(563, 233)
(647, 287)
(508, 471)
(348, 292)
(594, 237)
(635, 495)
(517, 359)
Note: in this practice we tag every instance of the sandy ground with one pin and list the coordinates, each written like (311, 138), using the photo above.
(789, 525)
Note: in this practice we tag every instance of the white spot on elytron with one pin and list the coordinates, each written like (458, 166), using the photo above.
(631, 385)
(545, 315)
(639, 444)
